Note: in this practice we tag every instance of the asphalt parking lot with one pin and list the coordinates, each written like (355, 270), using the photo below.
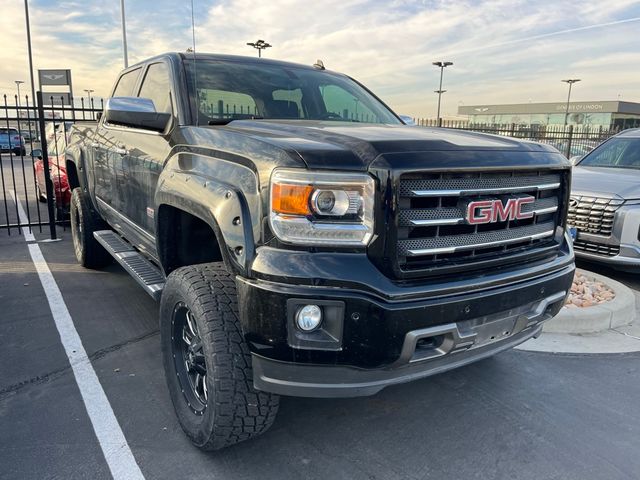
(519, 415)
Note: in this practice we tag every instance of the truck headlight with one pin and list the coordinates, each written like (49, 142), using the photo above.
(322, 208)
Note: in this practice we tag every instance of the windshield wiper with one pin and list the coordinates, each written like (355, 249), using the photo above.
(226, 121)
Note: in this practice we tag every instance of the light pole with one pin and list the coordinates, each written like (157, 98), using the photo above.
(26, 18)
(89, 92)
(442, 66)
(570, 81)
(259, 45)
(124, 36)
(18, 83)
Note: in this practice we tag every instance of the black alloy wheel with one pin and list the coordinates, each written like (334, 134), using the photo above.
(189, 358)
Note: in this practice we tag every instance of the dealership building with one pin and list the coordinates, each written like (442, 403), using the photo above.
(597, 114)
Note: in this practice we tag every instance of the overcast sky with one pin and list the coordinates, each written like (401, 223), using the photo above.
(503, 51)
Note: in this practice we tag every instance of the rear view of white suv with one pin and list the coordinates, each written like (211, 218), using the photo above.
(11, 141)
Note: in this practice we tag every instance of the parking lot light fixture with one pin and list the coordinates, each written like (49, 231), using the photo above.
(18, 83)
(570, 81)
(89, 92)
(259, 45)
(441, 65)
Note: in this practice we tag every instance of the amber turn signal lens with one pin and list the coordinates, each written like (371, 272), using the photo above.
(291, 199)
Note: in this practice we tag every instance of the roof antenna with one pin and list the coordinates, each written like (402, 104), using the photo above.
(195, 66)
(319, 65)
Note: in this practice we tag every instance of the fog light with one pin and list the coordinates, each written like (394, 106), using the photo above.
(309, 318)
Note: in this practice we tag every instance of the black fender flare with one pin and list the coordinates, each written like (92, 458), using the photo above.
(228, 202)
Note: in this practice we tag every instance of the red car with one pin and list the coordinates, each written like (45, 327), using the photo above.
(59, 180)
(56, 136)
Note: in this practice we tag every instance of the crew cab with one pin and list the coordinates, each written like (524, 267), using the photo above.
(302, 240)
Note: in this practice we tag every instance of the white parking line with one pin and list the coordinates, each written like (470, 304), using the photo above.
(113, 443)
(26, 231)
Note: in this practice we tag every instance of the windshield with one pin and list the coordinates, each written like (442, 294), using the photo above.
(233, 90)
(618, 152)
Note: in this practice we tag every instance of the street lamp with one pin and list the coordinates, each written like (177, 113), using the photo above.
(89, 92)
(440, 91)
(259, 45)
(18, 83)
(570, 81)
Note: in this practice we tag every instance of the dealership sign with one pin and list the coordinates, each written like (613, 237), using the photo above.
(56, 78)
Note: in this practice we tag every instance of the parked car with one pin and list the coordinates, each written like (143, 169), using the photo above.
(295, 251)
(59, 183)
(56, 135)
(11, 141)
(605, 202)
(29, 136)
(578, 148)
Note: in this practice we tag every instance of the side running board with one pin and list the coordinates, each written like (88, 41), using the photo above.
(142, 270)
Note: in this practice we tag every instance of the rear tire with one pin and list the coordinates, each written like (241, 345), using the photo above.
(85, 221)
(207, 360)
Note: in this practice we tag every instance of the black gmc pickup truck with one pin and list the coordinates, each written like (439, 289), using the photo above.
(302, 240)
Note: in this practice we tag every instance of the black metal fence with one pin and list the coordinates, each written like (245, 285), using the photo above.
(35, 189)
(571, 140)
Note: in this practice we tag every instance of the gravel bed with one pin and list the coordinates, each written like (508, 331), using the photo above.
(586, 292)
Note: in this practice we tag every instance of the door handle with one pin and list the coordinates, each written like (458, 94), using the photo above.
(121, 151)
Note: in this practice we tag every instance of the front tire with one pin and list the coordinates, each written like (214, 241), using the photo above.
(207, 361)
(85, 221)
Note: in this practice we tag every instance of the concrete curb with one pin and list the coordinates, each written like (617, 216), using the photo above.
(618, 312)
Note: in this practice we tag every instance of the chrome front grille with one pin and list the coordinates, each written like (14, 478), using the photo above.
(592, 214)
(596, 248)
(433, 230)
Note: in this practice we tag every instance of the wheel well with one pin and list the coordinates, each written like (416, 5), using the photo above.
(72, 174)
(184, 239)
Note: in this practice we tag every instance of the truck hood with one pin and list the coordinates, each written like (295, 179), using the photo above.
(348, 145)
(606, 182)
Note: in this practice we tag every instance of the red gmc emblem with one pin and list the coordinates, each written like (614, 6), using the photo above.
(489, 211)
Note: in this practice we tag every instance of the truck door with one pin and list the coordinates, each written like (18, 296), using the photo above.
(107, 154)
(146, 152)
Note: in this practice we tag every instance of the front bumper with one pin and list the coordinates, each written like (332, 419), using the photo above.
(324, 381)
(379, 333)
(625, 239)
(629, 257)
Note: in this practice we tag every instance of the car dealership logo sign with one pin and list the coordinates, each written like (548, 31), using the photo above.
(490, 211)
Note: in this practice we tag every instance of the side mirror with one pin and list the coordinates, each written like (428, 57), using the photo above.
(36, 153)
(575, 159)
(407, 120)
(136, 113)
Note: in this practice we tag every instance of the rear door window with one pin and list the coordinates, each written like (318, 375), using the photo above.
(126, 84)
(157, 87)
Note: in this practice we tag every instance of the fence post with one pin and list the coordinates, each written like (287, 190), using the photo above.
(569, 140)
(47, 173)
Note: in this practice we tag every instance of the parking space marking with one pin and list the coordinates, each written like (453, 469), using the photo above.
(113, 443)
(26, 231)
(116, 450)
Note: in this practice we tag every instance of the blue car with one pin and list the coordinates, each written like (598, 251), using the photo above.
(11, 141)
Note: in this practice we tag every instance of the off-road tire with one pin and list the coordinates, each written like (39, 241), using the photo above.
(85, 221)
(234, 410)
